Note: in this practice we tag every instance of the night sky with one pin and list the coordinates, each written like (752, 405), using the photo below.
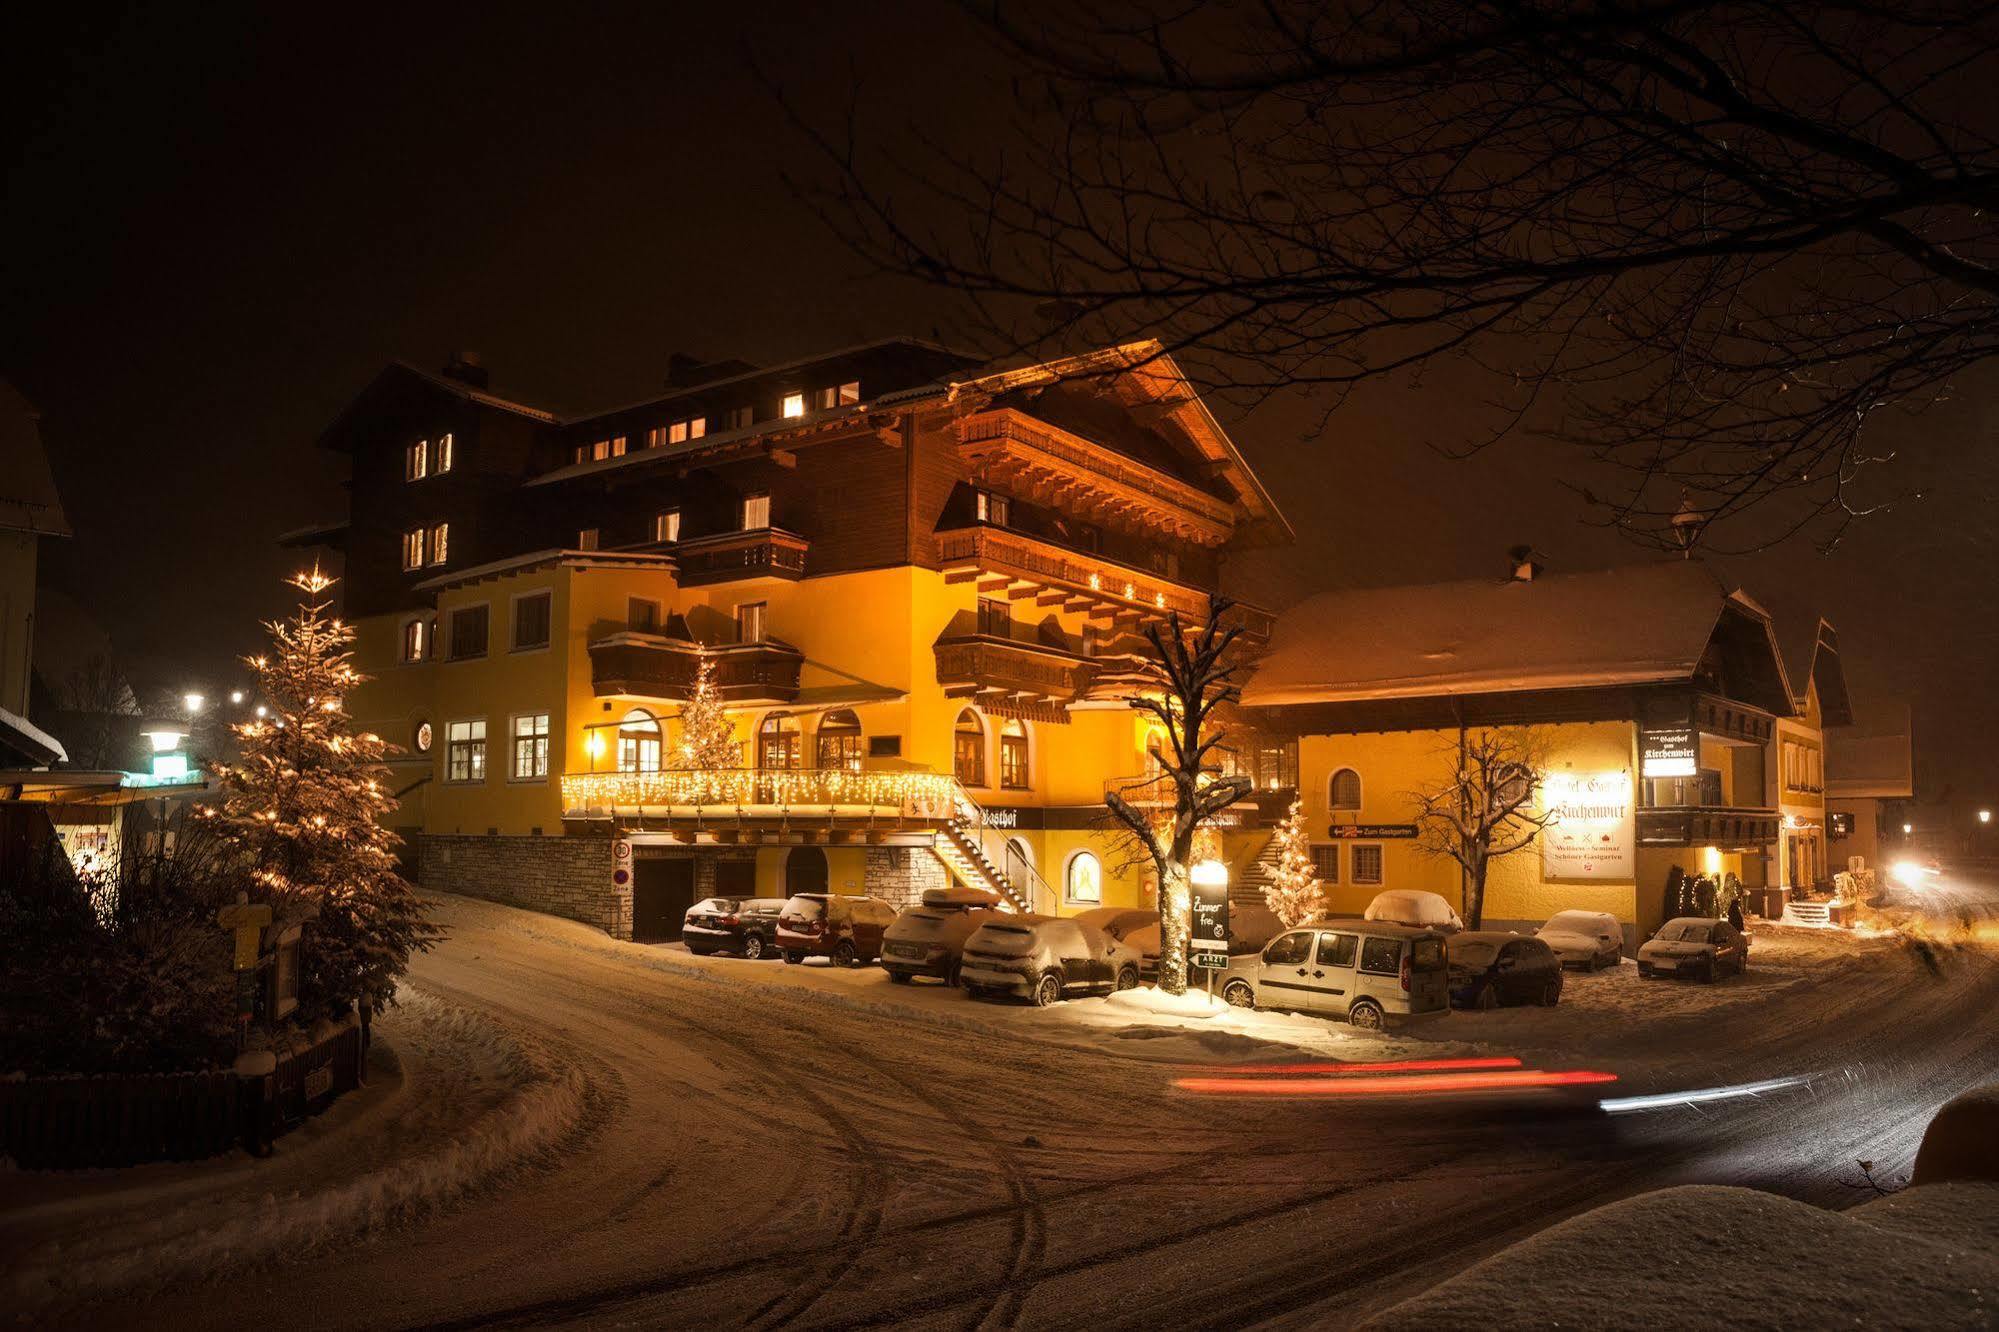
(222, 225)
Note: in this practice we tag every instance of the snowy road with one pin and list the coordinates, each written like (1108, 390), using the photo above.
(741, 1144)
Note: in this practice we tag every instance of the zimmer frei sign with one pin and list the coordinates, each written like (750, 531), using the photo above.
(1593, 831)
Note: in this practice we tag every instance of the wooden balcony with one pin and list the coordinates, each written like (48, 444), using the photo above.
(630, 665)
(1021, 567)
(1012, 678)
(1044, 462)
(728, 804)
(1729, 829)
(764, 552)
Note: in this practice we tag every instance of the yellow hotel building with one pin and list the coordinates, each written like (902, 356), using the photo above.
(919, 582)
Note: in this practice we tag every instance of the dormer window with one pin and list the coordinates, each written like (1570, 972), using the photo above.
(678, 432)
(440, 455)
(440, 539)
(614, 447)
(416, 459)
(793, 405)
(742, 418)
(666, 526)
(756, 511)
(842, 395)
(995, 509)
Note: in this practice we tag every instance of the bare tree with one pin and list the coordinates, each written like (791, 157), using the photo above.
(1717, 236)
(1194, 671)
(1484, 807)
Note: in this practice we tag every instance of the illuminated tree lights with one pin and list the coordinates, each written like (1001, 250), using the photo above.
(1293, 894)
(707, 736)
(305, 802)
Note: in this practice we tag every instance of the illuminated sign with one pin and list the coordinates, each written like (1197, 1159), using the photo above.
(1370, 832)
(1674, 752)
(423, 737)
(1592, 832)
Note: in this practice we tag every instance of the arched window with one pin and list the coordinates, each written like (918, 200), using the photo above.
(780, 742)
(1343, 792)
(1083, 880)
(638, 742)
(968, 749)
(840, 741)
(1013, 755)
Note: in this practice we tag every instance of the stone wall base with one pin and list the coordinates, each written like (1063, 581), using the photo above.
(563, 876)
(898, 875)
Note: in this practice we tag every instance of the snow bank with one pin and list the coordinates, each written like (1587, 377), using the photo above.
(1152, 1000)
(1962, 1141)
(1710, 1255)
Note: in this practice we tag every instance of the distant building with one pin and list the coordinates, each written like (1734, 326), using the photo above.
(1657, 689)
(30, 512)
(1819, 702)
(1871, 787)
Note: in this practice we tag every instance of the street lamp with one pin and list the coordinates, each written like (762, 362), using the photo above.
(192, 702)
(1985, 816)
(236, 696)
(1908, 828)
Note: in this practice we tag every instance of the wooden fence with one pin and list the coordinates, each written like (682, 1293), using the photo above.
(115, 1119)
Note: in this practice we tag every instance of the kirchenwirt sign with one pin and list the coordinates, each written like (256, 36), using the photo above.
(1592, 832)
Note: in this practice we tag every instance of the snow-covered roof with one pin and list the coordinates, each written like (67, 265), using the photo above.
(1634, 624)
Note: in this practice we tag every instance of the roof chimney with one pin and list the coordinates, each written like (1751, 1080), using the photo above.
(1524, 566)
(466, 368)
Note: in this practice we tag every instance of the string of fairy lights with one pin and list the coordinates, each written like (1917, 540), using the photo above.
(922, 795)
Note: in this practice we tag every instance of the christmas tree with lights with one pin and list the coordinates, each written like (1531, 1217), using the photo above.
(305, 802)
(707, 736)
(1293, 894)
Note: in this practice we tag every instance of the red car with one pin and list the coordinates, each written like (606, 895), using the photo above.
(846, 929)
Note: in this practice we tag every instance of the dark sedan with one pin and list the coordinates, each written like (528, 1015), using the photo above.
(1489, 969)
(746, 925)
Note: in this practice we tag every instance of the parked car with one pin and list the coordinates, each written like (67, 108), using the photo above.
(746, 925)
(1135, 928)
(1691, 946)
(1368, 972)
(1489, 969)
(1414, 907)
(833, 925)
(1588, 939)
(1045, 958)
(929, 939)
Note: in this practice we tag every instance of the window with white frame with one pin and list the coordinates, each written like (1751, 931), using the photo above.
(440, 454)
(413, 549)
(638, 742)
(666, 525)
(968, 749)
(1367, 862)
(416, 461)
(756, 511)
(1013, 755)
(440, 543)
(413, 640)
(1083, 879)
(465, 751)
(530, 746)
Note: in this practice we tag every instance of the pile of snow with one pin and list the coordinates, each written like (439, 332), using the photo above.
(1155, 1002)
(1412, 906)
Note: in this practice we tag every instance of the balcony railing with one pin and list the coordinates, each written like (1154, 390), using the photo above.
(710, 795)
(631, 665)
(984, 664)
(764, 552)
(1707, 825)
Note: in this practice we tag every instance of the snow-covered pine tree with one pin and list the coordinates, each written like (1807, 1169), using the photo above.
(707, 736)
(305, 801)
(1293, 894)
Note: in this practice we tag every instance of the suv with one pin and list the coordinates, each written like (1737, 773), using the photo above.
(1043, 958)
(746, 925)
(1691, 946)
(929, 939)
(1363, 970)
(846, 929)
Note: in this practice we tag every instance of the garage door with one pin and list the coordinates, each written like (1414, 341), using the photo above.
(662, 890)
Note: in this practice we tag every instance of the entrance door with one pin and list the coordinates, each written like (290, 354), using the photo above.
(805, 870)
(662, 890)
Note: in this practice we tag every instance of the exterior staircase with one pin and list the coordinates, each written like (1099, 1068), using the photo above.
(1807, 913)
(959, 848)
(1247, 889)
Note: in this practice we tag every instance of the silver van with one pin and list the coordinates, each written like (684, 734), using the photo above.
(1368, 972)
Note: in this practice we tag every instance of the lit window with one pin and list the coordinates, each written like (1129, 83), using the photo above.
(413, 640)
(839, 741)
(413, 549)
(1013, 755)
(465, 751)
(780, 742)
(641, 615)
(586, 539)
(968, 749)
(995, 509)
(638, 742)
(697, 427)
(468, 632)
(414, 460)
(1084, 881)
(794, 405)
(655, 437)
(608, 448)
(531, 746)
(441, 455)
(1343, 792)
(440, 537)
(750, 621)
(531, 621)
(666, 526)
(1367, 863)
(850, 392)
(756, 512)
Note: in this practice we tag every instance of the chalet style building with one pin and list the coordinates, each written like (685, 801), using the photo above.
(918, 581)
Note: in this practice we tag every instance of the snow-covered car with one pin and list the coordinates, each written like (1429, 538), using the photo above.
(1490, 969)
(1368, 972)
(1692, 946)
(929, 938)
(1587, 939)
(847, 929)
(1045, 958)
(1415, 908)
(746, 925)
(1134, 927)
